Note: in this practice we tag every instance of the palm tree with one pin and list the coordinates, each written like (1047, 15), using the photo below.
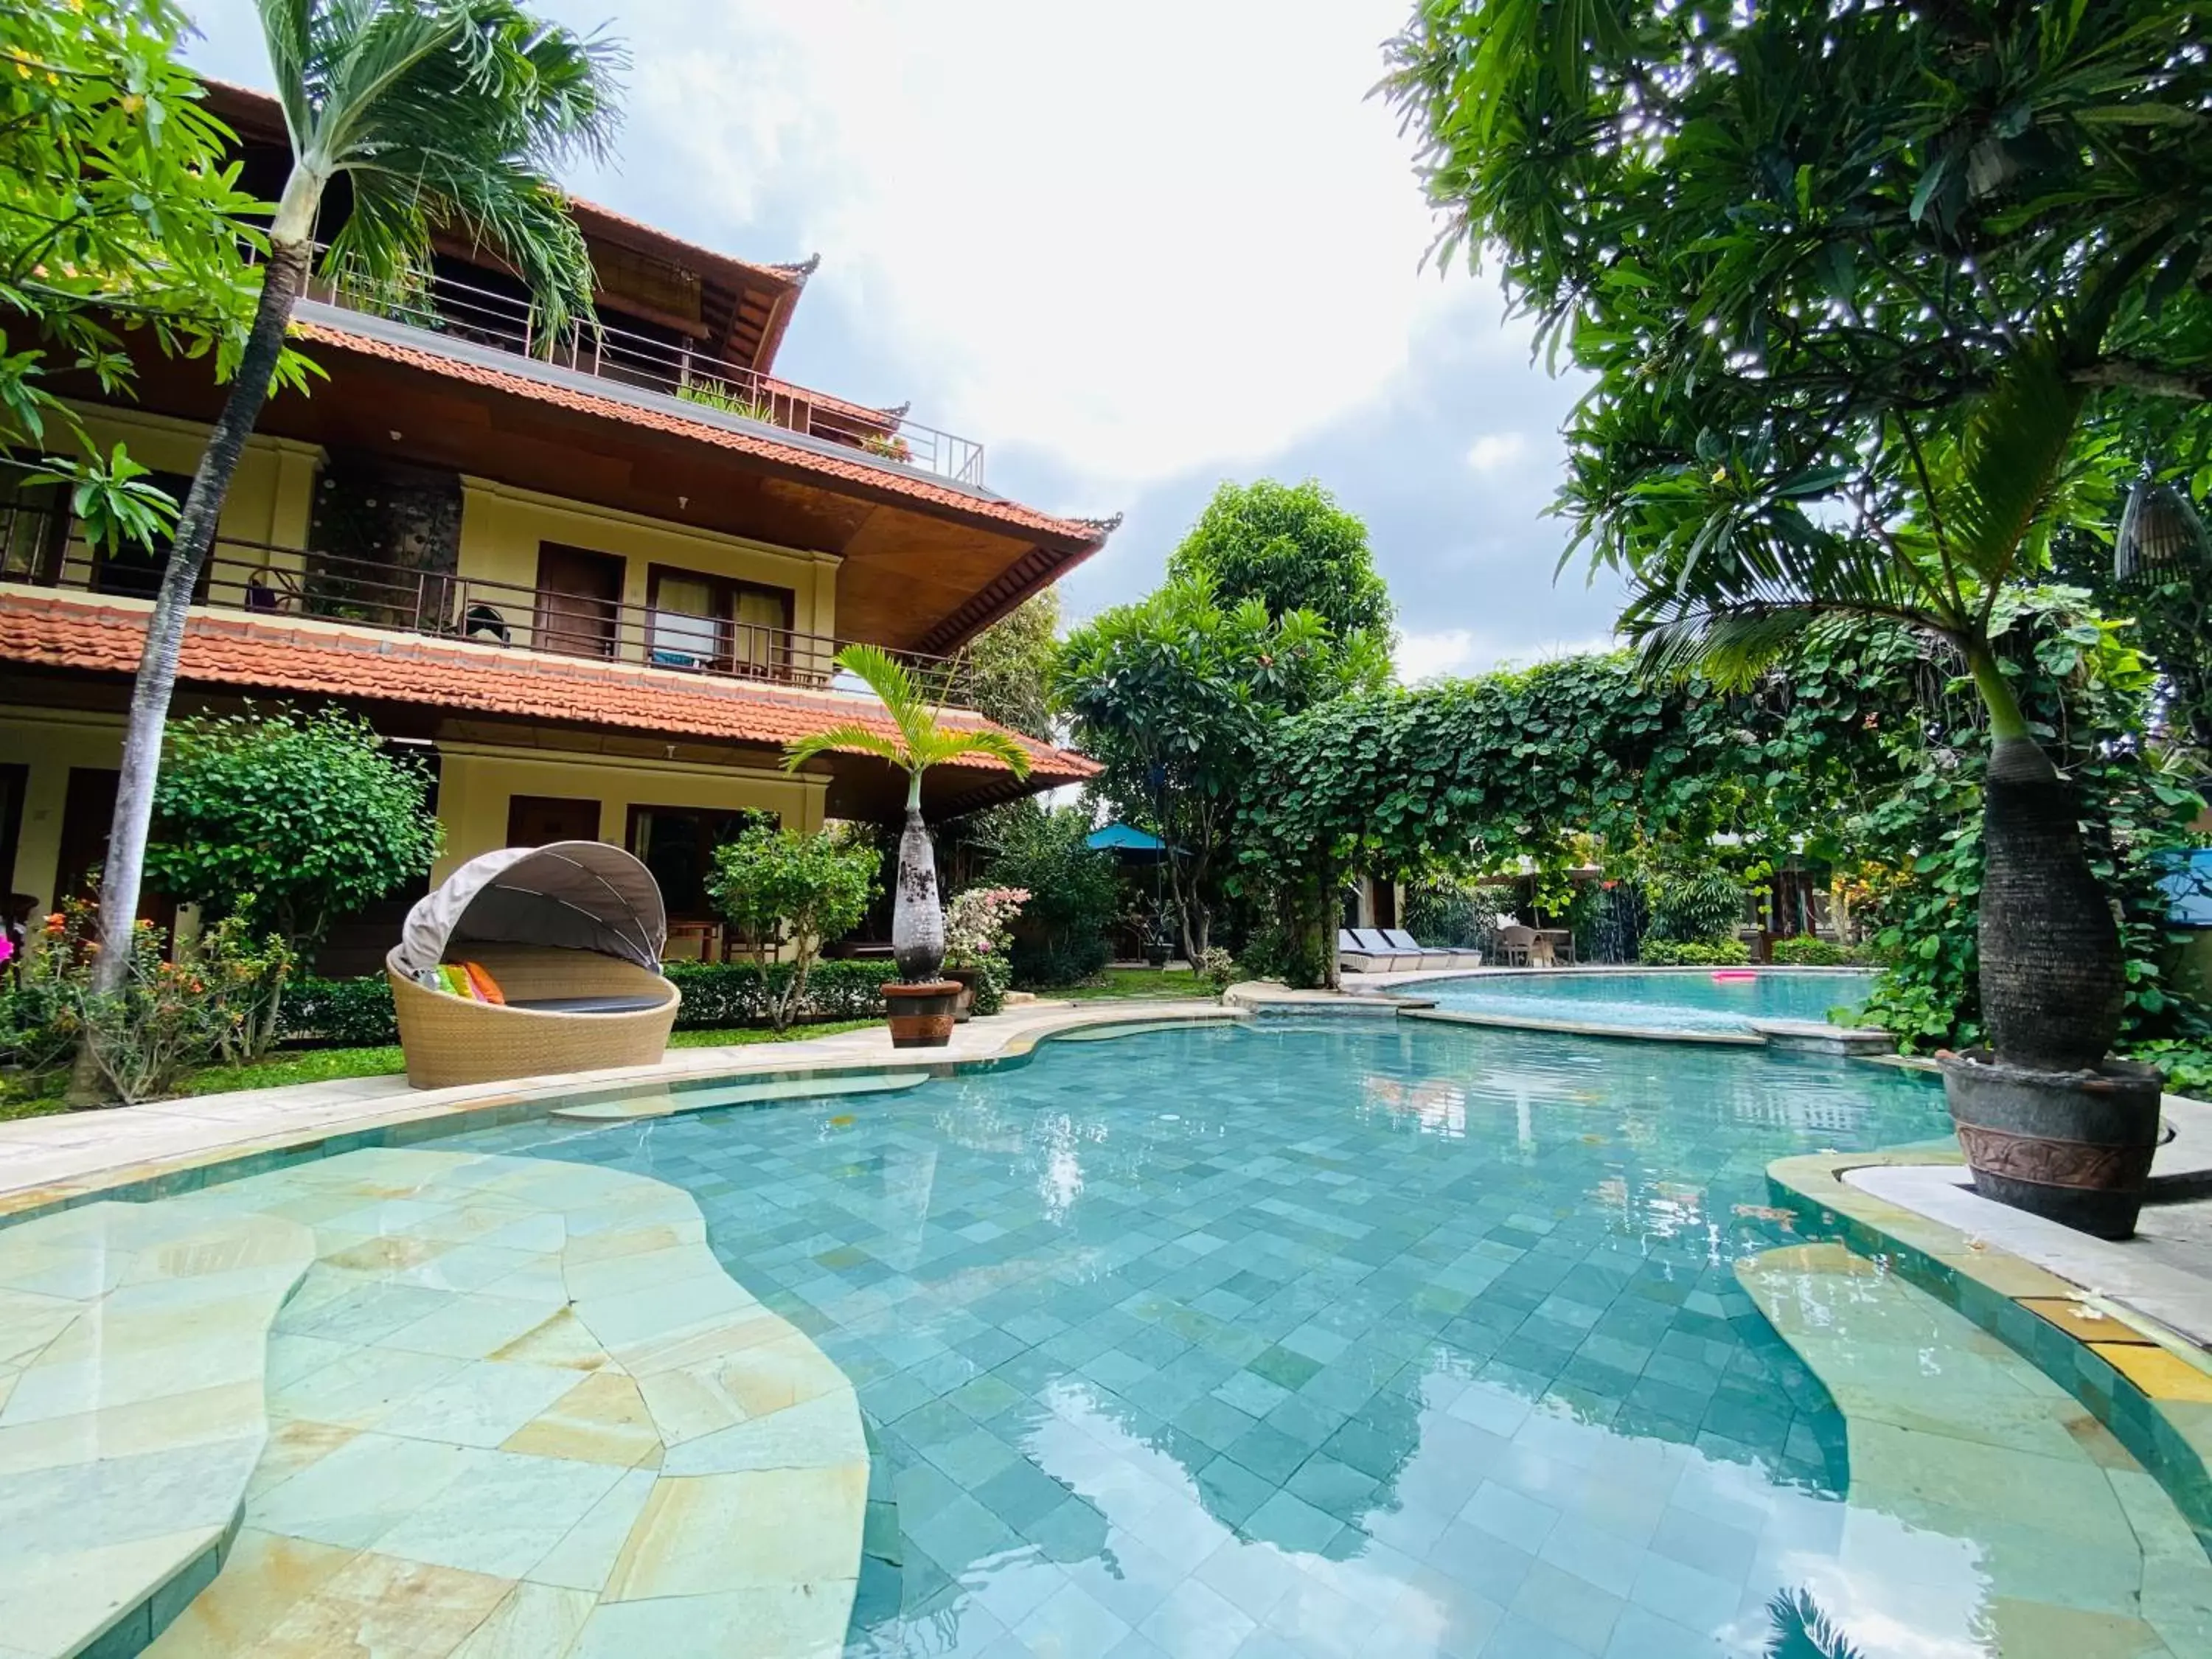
(1748, 571)
(438, 114)
(917, 920)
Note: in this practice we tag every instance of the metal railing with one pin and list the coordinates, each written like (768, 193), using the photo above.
(507, 322)
(279, 584)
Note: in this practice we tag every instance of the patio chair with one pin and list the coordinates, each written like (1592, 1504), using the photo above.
(568, 935)
(1516, 944)
(1353, 957)
(1432, 956)
(1400, 958)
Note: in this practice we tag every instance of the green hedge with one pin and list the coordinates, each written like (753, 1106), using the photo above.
(341, 1013)
(719, 995)
(356, 1013)
(1804, 951)
(1670, 953)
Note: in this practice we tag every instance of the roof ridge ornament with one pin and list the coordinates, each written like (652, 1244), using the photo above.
(802, 269)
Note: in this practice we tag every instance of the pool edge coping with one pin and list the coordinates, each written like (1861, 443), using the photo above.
(404, 1120)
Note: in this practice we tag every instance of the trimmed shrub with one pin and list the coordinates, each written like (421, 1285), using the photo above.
(1674, 953)
(339, 1014)
(356, 1013)
(719, 995)
(1804, 951)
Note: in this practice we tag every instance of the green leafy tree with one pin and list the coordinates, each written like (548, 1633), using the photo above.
(1006, 670)
(781, 887)
(1292, 547)
(916, 742)
(438, 115)
(1175, 694)
(1858, 288)
(1075, 892)
(117, 209)
(290, 820)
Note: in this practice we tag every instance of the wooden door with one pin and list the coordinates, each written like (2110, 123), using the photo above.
(87, 815)
(579, 600)
(541, 820)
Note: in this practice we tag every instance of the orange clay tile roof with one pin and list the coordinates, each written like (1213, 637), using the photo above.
(319, 659)
(924, 490)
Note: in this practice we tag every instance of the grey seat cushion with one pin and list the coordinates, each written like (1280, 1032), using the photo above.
(611, 1005)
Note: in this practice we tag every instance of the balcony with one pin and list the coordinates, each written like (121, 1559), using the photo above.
(279, 585)
(469, 320)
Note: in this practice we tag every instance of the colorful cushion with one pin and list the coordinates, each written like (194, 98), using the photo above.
(456, 981)
(485, 987)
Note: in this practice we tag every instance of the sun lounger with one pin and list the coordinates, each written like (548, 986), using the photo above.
(1432, 956)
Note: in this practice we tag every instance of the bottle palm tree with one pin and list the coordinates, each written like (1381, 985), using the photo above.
(917, 918)
(1741, 576)
(438, 114)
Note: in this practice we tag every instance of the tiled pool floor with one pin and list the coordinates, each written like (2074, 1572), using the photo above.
(1329, 1339)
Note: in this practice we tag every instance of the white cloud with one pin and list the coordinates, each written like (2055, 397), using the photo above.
(1452, 651)
(1145, 238)
(1495, 450)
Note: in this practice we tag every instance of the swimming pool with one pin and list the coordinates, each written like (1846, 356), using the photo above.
(1350, 1338)
(1679, 1000)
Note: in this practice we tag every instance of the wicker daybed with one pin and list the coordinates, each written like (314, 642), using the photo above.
(570, 934)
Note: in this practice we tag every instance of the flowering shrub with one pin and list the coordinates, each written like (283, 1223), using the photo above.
(1217, 967)
(979, 923)
(217, 1001)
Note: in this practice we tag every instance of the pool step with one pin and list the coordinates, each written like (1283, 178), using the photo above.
(134, 1343)
(1814, 1037)
(1970, 1464)
(667, 1103)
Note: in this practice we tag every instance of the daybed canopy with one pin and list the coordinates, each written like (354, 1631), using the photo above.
(578, 895)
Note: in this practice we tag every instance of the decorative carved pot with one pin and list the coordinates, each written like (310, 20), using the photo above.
(922, 1016)
(2073, 1146)
(965, 978)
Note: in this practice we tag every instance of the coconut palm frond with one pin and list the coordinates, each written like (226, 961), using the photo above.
(847, 740)
(446, 115)
(893, 682)
(1802, 1630)
(947, 745)
(2013, 463)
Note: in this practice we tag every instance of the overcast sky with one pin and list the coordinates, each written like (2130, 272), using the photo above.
(1135, 250)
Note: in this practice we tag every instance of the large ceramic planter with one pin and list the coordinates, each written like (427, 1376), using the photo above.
(965, 978)
(922, 1016)
(2073, 1146)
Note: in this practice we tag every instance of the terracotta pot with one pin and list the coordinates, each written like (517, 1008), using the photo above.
(965, 978)
(922, 1016)
(2073, 1146)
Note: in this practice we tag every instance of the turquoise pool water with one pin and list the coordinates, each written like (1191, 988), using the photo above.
(1334, 1338)
(1679, 1000)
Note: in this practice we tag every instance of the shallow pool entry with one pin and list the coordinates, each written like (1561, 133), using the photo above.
(1355, 1338)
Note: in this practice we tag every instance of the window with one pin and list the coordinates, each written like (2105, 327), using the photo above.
(704, 621)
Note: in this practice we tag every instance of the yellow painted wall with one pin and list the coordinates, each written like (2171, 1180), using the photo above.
(269, 500)
(503, 528)
(475, 784)
(50, 742)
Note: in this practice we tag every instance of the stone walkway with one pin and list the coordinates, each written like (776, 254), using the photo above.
(513, 1407)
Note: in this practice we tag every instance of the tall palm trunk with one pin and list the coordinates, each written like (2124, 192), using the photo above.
(281, 280)
(917, 918)
(2053, 979)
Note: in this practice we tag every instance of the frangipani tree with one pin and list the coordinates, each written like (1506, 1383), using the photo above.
(441, 116)
(920, 742)
(1858, 287)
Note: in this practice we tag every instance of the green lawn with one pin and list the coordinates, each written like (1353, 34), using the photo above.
(1117, 982)
(22, 1096)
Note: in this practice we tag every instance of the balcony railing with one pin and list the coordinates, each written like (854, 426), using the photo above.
(481, 316)
(278, 584)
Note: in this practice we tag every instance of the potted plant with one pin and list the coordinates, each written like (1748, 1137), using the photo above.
(921, 1002)
(978, 927)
